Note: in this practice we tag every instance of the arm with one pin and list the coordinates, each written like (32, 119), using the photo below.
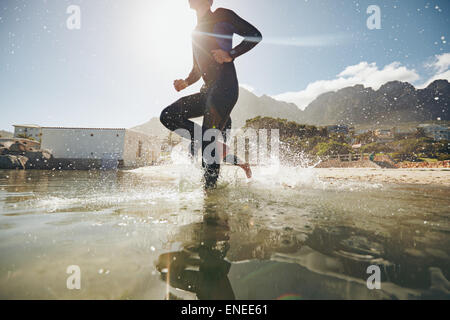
(194, 76)
(251, 35)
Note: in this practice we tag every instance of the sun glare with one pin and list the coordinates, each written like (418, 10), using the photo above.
(162, 31)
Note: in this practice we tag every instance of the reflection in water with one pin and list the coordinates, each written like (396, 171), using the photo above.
(285, 235)
(201, 266)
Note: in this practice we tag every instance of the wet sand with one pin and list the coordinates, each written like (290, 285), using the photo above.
(401, 176)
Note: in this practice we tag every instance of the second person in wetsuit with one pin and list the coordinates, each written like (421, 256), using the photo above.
(213, 57)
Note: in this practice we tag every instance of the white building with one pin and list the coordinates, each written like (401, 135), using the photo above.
(436, 132)
(30, 130)
(105, 146)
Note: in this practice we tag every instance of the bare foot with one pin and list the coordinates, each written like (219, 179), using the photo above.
(247, 169)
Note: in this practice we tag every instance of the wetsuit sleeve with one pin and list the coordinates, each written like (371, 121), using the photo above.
(195, 75)
(251, 35)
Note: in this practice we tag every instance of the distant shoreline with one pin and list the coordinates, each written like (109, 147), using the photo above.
(415, 176)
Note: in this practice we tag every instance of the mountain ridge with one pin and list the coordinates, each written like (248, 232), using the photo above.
(393, 103)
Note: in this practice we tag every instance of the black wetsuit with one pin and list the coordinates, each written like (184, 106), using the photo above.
(219, 94)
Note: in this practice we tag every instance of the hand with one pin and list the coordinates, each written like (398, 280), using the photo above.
(180, 85)
(221, 56)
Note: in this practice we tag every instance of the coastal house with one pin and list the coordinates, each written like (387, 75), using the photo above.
(27, 130)
(362, 131)
(108, 146)
(97, 147)
(338, 129)
(384, 135)
(403, 132)
(436, 132)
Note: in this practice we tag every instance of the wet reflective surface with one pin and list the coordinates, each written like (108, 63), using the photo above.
(153, 233)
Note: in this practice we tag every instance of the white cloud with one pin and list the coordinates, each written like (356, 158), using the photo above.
(367, 74)
(440, 65)
(440, 76)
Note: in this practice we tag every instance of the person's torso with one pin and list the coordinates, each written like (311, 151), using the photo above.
(212, 33)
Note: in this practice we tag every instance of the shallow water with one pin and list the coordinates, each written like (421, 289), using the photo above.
(153, 233)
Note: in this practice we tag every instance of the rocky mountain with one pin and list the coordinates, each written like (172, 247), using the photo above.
(250, 106)
(393, 103)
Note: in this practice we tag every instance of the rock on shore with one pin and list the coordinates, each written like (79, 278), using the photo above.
(23, 154)
(13, 162)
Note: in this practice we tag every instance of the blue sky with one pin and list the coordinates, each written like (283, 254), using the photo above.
(118, 69)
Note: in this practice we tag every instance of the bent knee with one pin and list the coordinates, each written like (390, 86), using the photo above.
(168, 116)
(164, 116)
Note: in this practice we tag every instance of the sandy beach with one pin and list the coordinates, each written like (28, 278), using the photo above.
(402, 176)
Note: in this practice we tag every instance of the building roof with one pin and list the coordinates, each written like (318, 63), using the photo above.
(75, 128)
(27, 125)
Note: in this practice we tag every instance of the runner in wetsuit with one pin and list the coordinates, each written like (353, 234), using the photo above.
(213, 57)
